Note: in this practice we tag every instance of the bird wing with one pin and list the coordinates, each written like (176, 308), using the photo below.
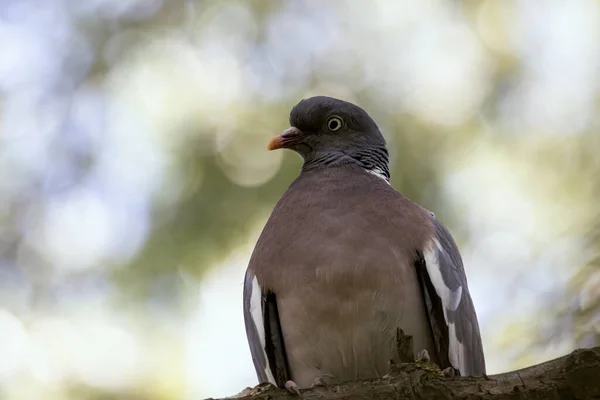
(451, 312)
(264, 333)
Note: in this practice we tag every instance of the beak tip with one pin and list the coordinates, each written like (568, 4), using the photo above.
(288, 137)
(275, 143)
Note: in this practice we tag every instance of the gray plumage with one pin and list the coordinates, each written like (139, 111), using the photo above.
(345, 260)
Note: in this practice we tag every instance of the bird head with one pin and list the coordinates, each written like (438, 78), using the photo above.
(327, 132)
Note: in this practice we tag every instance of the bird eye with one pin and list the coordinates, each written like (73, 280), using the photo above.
(334, 123)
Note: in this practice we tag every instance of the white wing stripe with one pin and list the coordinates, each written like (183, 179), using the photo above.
(456, 351)
(450, 298)
(257, 316)
(450, 301)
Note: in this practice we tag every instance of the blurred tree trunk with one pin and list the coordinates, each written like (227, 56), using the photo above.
(574, 376)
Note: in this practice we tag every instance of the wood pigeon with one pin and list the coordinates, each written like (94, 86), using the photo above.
(344, 261)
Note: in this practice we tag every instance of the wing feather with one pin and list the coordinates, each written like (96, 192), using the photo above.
(451, 312)
(263, 330)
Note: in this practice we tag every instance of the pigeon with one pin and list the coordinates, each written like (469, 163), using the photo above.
(345, 261)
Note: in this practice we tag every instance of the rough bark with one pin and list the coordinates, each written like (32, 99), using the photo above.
(574, 376)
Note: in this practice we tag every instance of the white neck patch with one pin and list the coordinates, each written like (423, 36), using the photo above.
(378, 173)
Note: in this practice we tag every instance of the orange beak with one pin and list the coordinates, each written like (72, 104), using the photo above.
(275, 143)
(290, 136)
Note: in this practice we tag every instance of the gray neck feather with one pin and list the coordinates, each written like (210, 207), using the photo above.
(373, 159)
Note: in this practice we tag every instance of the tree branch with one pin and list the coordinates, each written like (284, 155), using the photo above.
(574, 376)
